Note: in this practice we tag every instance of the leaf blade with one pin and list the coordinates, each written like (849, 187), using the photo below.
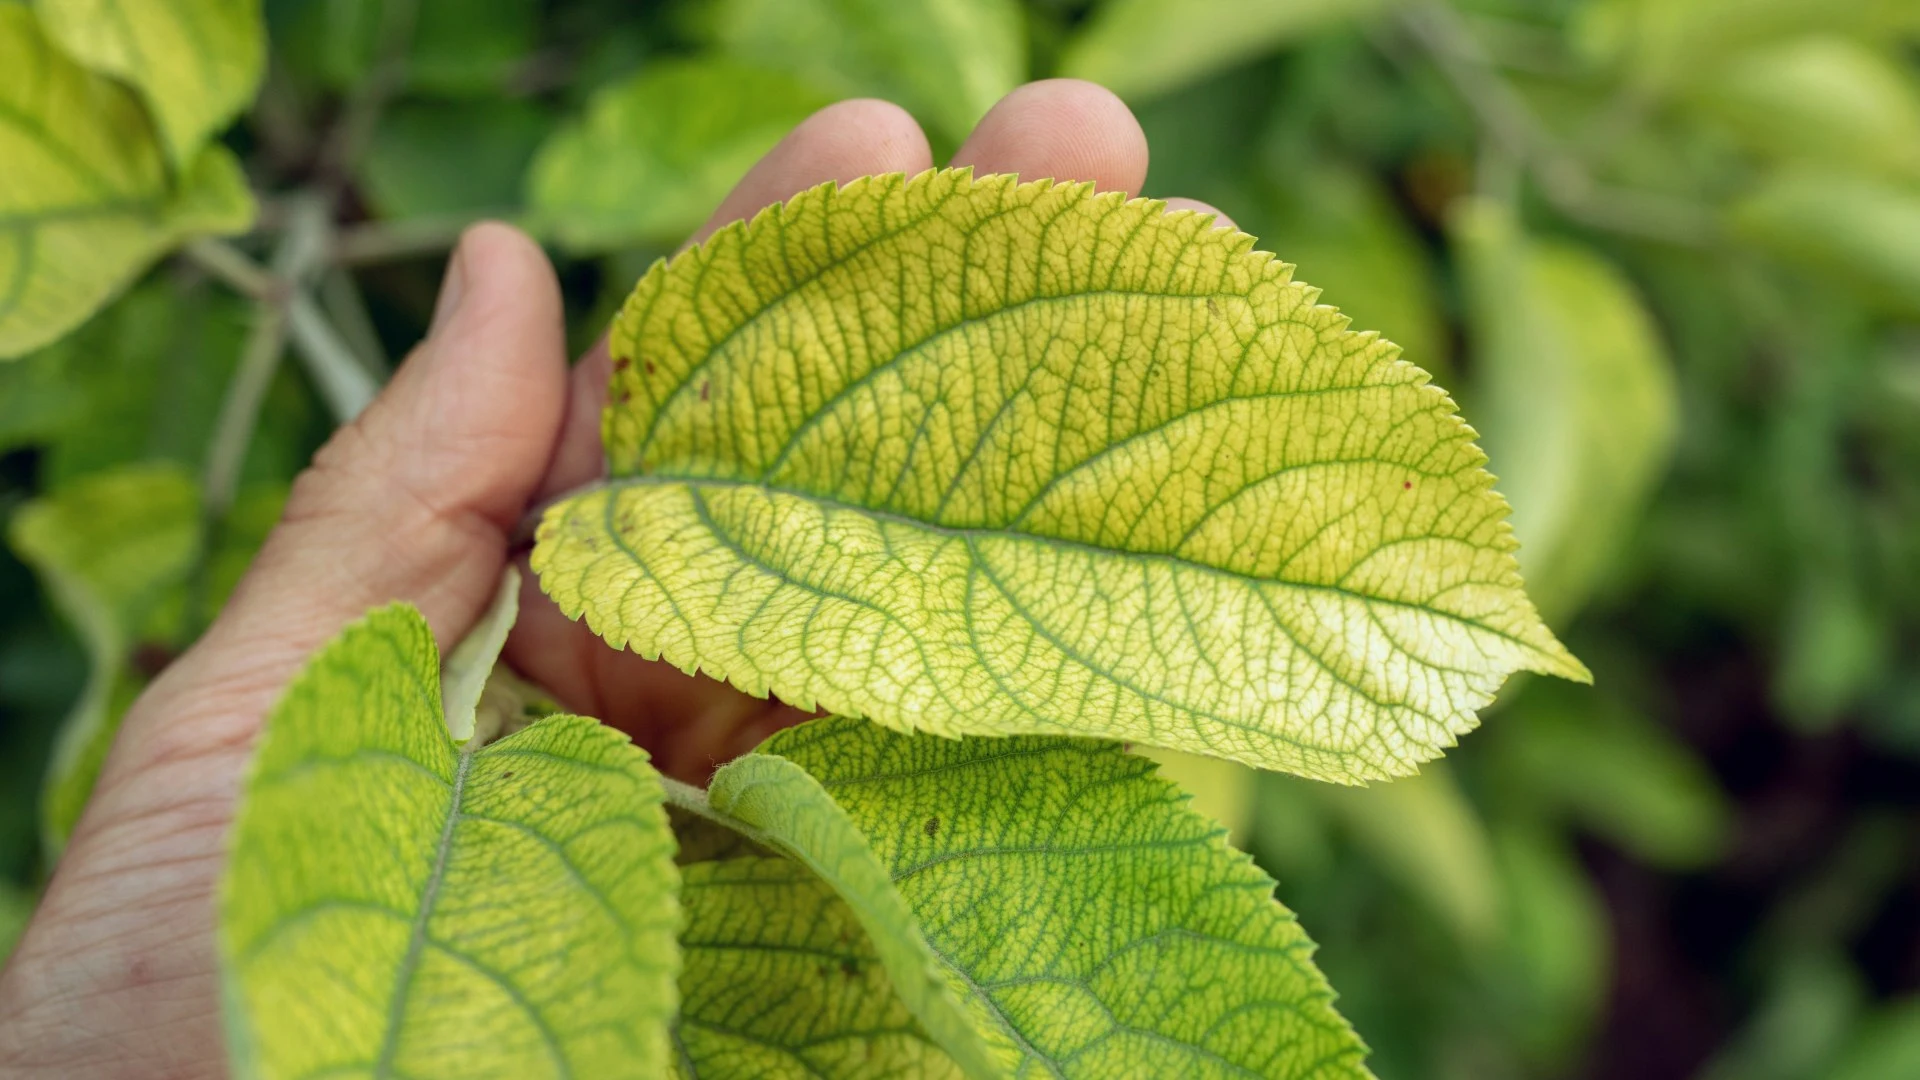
(480, 887)
(1098, 924)
(788, 808)
(831, 420)
(88, 204)
(196, 62)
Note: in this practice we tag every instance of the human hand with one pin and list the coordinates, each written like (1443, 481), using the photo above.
(418, 500)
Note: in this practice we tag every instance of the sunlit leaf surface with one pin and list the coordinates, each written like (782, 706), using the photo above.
(979, 457)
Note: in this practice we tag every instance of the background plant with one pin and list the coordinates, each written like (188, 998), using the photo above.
(1665, 253)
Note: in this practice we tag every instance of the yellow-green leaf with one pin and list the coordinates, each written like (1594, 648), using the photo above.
(978, 457)
(107, 550)
(780, 980)
(1824, 98)
(785, 809)
(1140, 48)
(397, 905)
(1098, 925)
(946, 60)
(86, 201)
(1575, 399)
(196, 62)
(655, 153)
(1864, 231)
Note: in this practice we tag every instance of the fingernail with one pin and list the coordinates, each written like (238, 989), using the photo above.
(452, 288)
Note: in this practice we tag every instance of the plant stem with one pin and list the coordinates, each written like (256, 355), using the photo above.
(240, 409)
(390, 241)
(1512, 126)
(233, 266)
(340, 376)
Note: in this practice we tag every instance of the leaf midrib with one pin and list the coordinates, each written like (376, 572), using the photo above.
(967, 533)
(417, 941)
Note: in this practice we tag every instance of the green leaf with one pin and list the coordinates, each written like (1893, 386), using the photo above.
(107, 550)
(1637, 783)
(457, 159)
(655, 153)
(947, 61)
(196, 62)
(87, 203)
(1821, 99)
(1097, 924)
(1575, 400)
(1659, 44)
(1143, 48)
(1865, 232)
(783, 808)
(146, 380)
(16, 907)
(1424, 833)
(987, 458)
(780, 979)
(397, 905)
(1343, 233)
(449, 48)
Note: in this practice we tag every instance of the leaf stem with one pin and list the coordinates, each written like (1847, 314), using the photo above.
(1513, 127)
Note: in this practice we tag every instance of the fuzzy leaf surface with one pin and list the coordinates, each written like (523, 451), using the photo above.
(980, 457)
(1097, 925)
(196, 62)
(398, 906)
(86, 203)
(780, 980)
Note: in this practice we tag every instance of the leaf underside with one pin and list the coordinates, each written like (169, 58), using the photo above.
(980, 457)
(1094, 924)
(398, 906)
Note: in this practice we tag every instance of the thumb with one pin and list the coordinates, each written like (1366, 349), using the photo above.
(415, 500)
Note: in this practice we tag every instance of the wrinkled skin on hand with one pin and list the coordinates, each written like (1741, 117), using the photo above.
(419, 500)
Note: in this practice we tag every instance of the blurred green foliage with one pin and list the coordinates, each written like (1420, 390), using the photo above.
(1665, 252)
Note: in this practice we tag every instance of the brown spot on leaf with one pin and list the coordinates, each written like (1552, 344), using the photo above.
(706, 390)
(933, 826)
(620, 364)
(1407, 486)
(850, 967)
(649, 367)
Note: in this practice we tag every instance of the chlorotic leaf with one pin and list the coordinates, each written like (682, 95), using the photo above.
(1141, 48)
(107, 550)
(785, 809)
(946, 60)
(980, 457)
(779, 979)
(1098, 925)
(1575, 396)
(396, 905)
(655, 153)
(196, 62)
(87, 202)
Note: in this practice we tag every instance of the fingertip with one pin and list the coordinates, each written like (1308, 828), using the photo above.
(839, 143)
(1066, 129)
(1220, 220)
